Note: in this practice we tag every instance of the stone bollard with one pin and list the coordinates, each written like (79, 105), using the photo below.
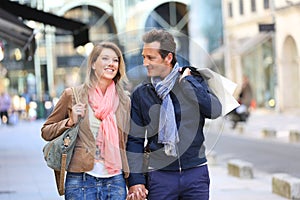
(239, 168)
(294, 136)
(286, 186)
(269, 133)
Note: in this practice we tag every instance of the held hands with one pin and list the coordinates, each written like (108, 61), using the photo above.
(185, 73)
(77, 110)
(137, 192)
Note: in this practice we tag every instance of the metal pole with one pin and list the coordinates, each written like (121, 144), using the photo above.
(51, 61)
(227, 50)
(275, 72)
(37, 71)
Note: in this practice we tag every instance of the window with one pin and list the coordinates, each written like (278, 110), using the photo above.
(230, 11)
(266, 4)
(253, 5)
(241, 7)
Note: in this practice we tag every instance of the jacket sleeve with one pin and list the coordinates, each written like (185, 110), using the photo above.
(135, 143)
(195, 88)
(55, 124)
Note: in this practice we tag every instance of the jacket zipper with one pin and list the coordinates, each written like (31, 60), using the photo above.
(178, 157)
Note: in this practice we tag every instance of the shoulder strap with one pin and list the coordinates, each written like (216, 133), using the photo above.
(76, 96)
(75, 93)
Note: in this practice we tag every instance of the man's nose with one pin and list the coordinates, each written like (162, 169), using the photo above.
(146, 62)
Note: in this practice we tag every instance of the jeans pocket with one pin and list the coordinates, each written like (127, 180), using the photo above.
(73, 180)
(73, 187)
(117, 188)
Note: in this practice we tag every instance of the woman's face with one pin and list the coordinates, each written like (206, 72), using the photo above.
(107, 64)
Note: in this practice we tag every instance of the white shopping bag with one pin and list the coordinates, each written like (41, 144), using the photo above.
(222, 87)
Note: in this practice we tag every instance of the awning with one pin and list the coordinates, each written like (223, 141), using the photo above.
(246, 45)
(14, 30)
(242, 46)
(80, 31)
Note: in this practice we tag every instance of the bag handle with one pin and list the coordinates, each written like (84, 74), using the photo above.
(60, 175)
(75, 93)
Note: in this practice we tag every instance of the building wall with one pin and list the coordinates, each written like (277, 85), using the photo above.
(129, 19)
(288, 49)
(239, 28)
(284, 72)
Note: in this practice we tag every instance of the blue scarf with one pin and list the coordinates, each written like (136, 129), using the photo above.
(168, 133)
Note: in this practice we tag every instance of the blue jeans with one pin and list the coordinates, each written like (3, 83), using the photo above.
(82, 186)
(189, 184)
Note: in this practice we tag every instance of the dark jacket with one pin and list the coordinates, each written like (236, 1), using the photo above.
(193, 102)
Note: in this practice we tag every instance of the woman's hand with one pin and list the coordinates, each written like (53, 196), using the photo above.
(77, 110)
(137, 192)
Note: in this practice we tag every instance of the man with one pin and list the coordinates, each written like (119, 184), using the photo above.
(241, 113)
(170, 109)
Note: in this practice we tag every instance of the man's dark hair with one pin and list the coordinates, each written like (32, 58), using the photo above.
(166, 40)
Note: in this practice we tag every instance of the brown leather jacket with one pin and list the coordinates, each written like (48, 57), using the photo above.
(84, 152)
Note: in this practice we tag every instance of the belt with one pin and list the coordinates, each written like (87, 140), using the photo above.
(84, 175)
(177, 170)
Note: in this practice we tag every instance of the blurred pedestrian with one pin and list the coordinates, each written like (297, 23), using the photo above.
(99, 165)
(245, 98)
(170, 109)
(5, 103)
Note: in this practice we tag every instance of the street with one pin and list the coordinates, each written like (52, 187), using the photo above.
(24, 175)
(265, 155)
(269, 155)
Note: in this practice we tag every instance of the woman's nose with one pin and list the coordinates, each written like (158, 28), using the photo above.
(110, 62)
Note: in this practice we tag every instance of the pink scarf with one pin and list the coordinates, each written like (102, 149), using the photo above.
(107, 140)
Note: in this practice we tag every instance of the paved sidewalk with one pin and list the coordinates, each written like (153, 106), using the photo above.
(25, 176)
(23, 171)
(261, 119)
(225, 187)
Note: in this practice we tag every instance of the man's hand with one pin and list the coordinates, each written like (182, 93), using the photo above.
(137, 192)
(185, 73)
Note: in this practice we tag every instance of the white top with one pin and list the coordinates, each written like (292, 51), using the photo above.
(99, 169)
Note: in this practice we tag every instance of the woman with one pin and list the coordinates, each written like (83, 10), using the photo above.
(99, 165)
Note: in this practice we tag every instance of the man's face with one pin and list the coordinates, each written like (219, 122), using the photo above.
(155, 64)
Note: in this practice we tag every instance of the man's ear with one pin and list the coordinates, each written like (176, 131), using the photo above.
(168, 59)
